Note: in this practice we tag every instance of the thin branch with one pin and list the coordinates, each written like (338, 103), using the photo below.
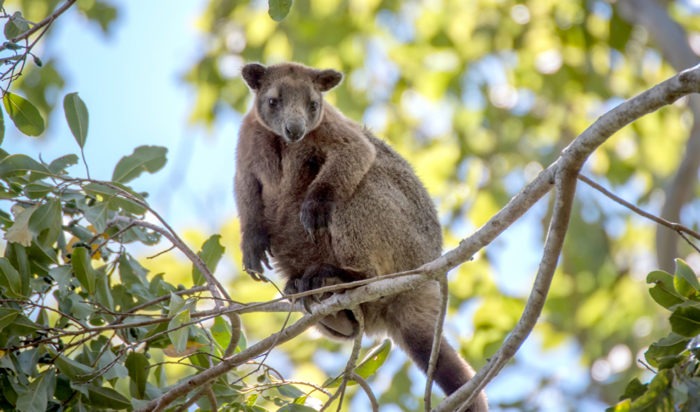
(565, 169)
(368, 390)
(215, 287)
(674, 45)
(19, 59)
(44, 23)
(676, 227)
(348, 372)
(566, 188)
(437, 341)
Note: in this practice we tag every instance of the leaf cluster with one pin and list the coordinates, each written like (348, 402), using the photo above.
(676, 383)
(83, 324)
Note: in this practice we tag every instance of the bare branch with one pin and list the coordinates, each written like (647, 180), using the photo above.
(18, 60)
(565, 169)
(348, 372)
(44, 23)
(676, 227)
(365, 386)
(437, 341)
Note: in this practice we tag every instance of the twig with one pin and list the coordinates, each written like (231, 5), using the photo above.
(565, 191)
(437, 342)
(46, 22)
(215, 286)
(677, 227)
(365, 386)
(672, 40)
(351, 363)
(203, 390)
(20, 59)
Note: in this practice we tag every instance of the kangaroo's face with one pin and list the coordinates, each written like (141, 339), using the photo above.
(289, 97)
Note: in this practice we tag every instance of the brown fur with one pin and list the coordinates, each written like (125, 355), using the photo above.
(331, 203)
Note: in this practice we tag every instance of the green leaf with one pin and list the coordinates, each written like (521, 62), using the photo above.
(623, 406)
(59, 165)
(77, 117)
(24, 115)
(47, 216)
(19, 164)
(290, 391)
(37, 190)
(2, 127)
(670, 345)
(104, 292)
(293, 407)
(7, 316)
(657, 397)
(368, 366)
(116, 196)
(39, 393)
(132, 274)
(82, 267)
(15, 26)
(221, 332)
(74, 370)
(374, 360)
(685, 320)
(279, 9)
(23, 326)
(99, 12)
(137, 364)
(144, 159)
(107, 398)
(176, 304)
(10, 280)
(662, 277)
(664, 297)
(211, 253)
(685, 281)
(177, 333)
(97, 214)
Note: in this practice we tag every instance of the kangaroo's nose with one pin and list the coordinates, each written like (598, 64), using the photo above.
(294, 131)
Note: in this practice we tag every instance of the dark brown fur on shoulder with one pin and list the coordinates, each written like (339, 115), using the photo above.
(331, 203)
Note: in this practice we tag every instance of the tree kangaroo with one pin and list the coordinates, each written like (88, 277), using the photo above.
(331, 203)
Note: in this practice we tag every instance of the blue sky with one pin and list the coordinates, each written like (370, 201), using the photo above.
(131, 84)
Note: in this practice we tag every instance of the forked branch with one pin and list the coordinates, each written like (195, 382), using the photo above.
(561, 174)
(566, 169)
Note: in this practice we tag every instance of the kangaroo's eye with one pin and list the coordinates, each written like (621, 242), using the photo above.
(272, 102)
(313, 105)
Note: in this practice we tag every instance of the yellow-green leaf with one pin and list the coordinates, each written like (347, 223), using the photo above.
(23, 114)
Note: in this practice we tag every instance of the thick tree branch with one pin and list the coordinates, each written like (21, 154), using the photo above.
(565, 169)
(565, 190)
(568, 166)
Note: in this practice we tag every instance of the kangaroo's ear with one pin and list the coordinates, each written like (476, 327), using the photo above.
(327, 79)
(253, 74)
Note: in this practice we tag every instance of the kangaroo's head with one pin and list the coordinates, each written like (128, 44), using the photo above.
(289, 96)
